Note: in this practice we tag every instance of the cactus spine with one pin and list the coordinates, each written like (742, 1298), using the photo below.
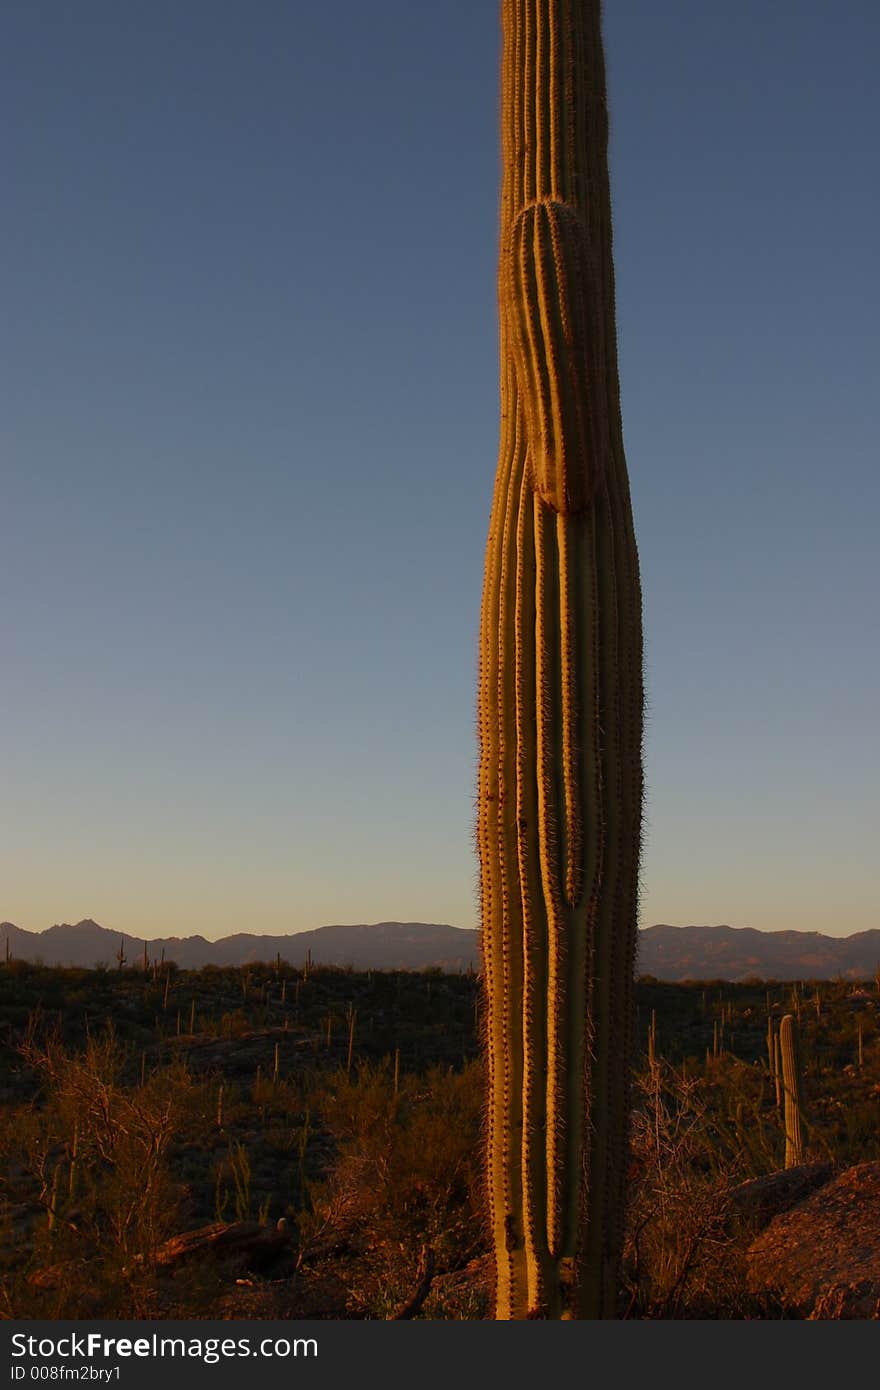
(560, 701)
(791, 1082)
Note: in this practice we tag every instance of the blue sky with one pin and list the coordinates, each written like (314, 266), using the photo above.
(248, 348)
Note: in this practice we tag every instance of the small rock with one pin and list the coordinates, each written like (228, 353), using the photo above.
(858, 1300)
(249, 1244)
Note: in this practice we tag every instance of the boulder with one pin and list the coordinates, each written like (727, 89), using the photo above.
(759, 1200)
(821, 1258)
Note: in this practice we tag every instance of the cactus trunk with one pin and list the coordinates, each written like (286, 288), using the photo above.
(560, 701)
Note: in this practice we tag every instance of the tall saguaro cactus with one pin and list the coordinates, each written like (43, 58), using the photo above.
(560, 701)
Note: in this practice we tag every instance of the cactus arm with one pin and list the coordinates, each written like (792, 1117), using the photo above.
(549, 297)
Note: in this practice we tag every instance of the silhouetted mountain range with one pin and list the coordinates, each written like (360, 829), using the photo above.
(669, 953)
(738, 953)
(384, 946)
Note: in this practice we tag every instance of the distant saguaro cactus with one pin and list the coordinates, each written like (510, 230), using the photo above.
(560, 701)
(652, 1041)
(793, 1090)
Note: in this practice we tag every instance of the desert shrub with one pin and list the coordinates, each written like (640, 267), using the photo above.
(89, 1156)
(408, 1166)
(679, 1258)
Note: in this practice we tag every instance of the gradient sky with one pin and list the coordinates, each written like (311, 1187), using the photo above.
(248, 441)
